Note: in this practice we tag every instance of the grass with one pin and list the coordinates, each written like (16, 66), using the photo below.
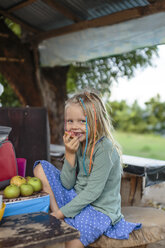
(142, 145)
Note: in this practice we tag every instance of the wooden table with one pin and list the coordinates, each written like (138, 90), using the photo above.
(35, 230)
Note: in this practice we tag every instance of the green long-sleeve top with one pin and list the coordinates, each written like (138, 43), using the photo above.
(100, 188)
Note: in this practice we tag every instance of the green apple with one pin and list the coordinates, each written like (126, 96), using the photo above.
(27, 178)
(11, 191)
(36, 183)
(17, 180)
(26, 189)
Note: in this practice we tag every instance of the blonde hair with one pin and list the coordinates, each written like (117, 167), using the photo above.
(104, 124)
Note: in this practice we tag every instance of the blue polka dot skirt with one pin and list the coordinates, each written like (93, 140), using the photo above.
(90, 222)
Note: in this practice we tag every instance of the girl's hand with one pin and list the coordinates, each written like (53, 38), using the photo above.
(58, 214)
(71, 143)
(71, 147)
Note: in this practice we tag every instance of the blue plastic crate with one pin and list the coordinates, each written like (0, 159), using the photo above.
(23, 205)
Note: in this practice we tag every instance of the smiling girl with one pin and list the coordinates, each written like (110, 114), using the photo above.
(86, 193)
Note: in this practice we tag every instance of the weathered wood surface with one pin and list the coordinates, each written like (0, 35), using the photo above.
(24, 198)
(35, 230)
(153, 229)
(131, 190)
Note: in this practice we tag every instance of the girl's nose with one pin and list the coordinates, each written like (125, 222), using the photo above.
(75, 125)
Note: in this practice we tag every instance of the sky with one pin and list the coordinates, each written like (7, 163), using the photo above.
(147, 83)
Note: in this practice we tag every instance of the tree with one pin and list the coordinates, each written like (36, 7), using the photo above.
(101, 72)
(133, 118)
(155, 115)
(45, 86)
(33, 85)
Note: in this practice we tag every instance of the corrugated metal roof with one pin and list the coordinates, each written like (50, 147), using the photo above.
(91, 9)
(41, 16)
(8, 3)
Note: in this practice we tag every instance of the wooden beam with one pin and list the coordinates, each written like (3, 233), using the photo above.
(122, 16)
(4, 35)
(20, 5)
(63, 10)
(5, 59)
(16, 20)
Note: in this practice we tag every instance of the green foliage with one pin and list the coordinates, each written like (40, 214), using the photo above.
(100, 73)
(8, 97)
(155, 114)
(135, 119)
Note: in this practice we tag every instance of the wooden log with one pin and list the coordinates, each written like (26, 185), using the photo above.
(153, 229)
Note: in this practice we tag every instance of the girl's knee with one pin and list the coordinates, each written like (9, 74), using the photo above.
(38, 170)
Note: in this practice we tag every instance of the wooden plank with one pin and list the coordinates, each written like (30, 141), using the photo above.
(20, 5)
(17, 60)
(4, 35)
(122, 16)
(63, 10)
(131, 190)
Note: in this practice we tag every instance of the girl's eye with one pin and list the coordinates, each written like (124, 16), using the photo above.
(83, 121)
(69, 121)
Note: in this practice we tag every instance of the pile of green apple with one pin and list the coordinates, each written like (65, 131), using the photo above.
(24, 186)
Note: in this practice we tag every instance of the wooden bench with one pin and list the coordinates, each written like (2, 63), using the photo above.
(153, 229)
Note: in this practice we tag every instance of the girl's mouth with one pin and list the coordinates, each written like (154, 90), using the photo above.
(77, 134)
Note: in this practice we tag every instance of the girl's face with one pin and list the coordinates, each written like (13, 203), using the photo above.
(75, 121)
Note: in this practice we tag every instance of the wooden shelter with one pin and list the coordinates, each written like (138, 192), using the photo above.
(44, 20)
